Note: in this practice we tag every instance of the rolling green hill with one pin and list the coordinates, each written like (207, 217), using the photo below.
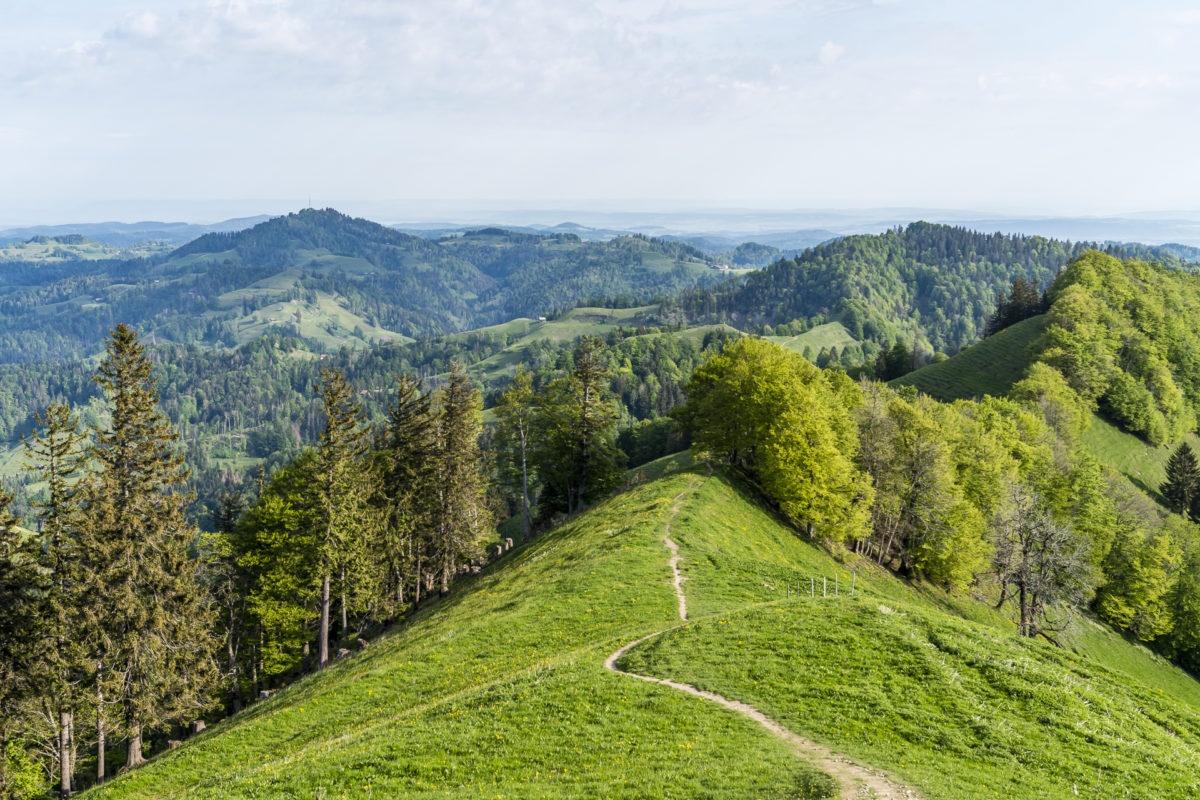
(331, 281)
(501, 690)
(935, 283)
(74, 247)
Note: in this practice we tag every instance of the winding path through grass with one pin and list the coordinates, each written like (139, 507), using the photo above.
(854, 780)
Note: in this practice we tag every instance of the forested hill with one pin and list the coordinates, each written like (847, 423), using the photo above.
(934, 282)
(329, 280)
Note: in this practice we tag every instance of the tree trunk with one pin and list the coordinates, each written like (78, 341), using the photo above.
(72, 748)
(235, 687)
(417, 582)
(64, 753)
(345, 623)
(3, 759)
(1024, 612)
(133, 757)
(100, 776)
(323, 631)
(524, 488)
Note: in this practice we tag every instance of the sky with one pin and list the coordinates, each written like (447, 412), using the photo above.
(399, 109)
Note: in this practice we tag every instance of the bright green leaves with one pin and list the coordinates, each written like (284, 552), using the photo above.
(768, 410)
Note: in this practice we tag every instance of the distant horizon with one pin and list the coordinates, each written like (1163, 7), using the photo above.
(171, 212)
(740, 224)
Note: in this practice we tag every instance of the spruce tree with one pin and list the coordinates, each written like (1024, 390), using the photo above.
(515, 415)
(53, 456)
(340, 498)
(407, 491)
(227, 582)
(1181, 489)
(575, 424)
(597, 457)
(156, 646)
(21, 638)
(462, 514)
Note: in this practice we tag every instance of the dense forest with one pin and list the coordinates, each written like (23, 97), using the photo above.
(253, 406)
(936, 285)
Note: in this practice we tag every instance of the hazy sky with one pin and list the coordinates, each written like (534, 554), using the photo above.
(258, 105)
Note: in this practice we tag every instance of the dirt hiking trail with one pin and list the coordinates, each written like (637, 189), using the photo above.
(855, 781)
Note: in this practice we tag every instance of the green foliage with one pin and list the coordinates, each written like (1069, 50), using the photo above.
(1140, 576)
(935, 282)
(22, 777)
(574, 422)
(763, 408)
(274, 542)
(141, 577)
(1181, 489)
(1064, 410)
(1123, 335)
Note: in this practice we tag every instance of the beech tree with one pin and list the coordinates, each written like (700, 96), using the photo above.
(770, 412)
(156, 647)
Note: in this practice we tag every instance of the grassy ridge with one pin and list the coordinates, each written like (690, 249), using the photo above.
(500, 690)
(990, 367)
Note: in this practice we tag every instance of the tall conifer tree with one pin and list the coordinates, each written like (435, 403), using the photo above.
(20, 636)
(53, 456)
(340, 496)
(408, 490)
(156, 648)
(1181, 489)
(462, 512)
(515, 414)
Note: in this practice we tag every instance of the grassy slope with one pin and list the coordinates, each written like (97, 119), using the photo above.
(996, 363)
(831, 334)
(990, 367)
(1143, 464)
(501, 692)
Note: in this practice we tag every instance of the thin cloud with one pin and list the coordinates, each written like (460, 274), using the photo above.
(830, 53)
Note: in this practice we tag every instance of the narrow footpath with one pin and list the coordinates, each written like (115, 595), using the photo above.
(855, 781)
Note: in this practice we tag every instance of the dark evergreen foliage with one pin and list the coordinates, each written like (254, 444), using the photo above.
(1181, 489)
